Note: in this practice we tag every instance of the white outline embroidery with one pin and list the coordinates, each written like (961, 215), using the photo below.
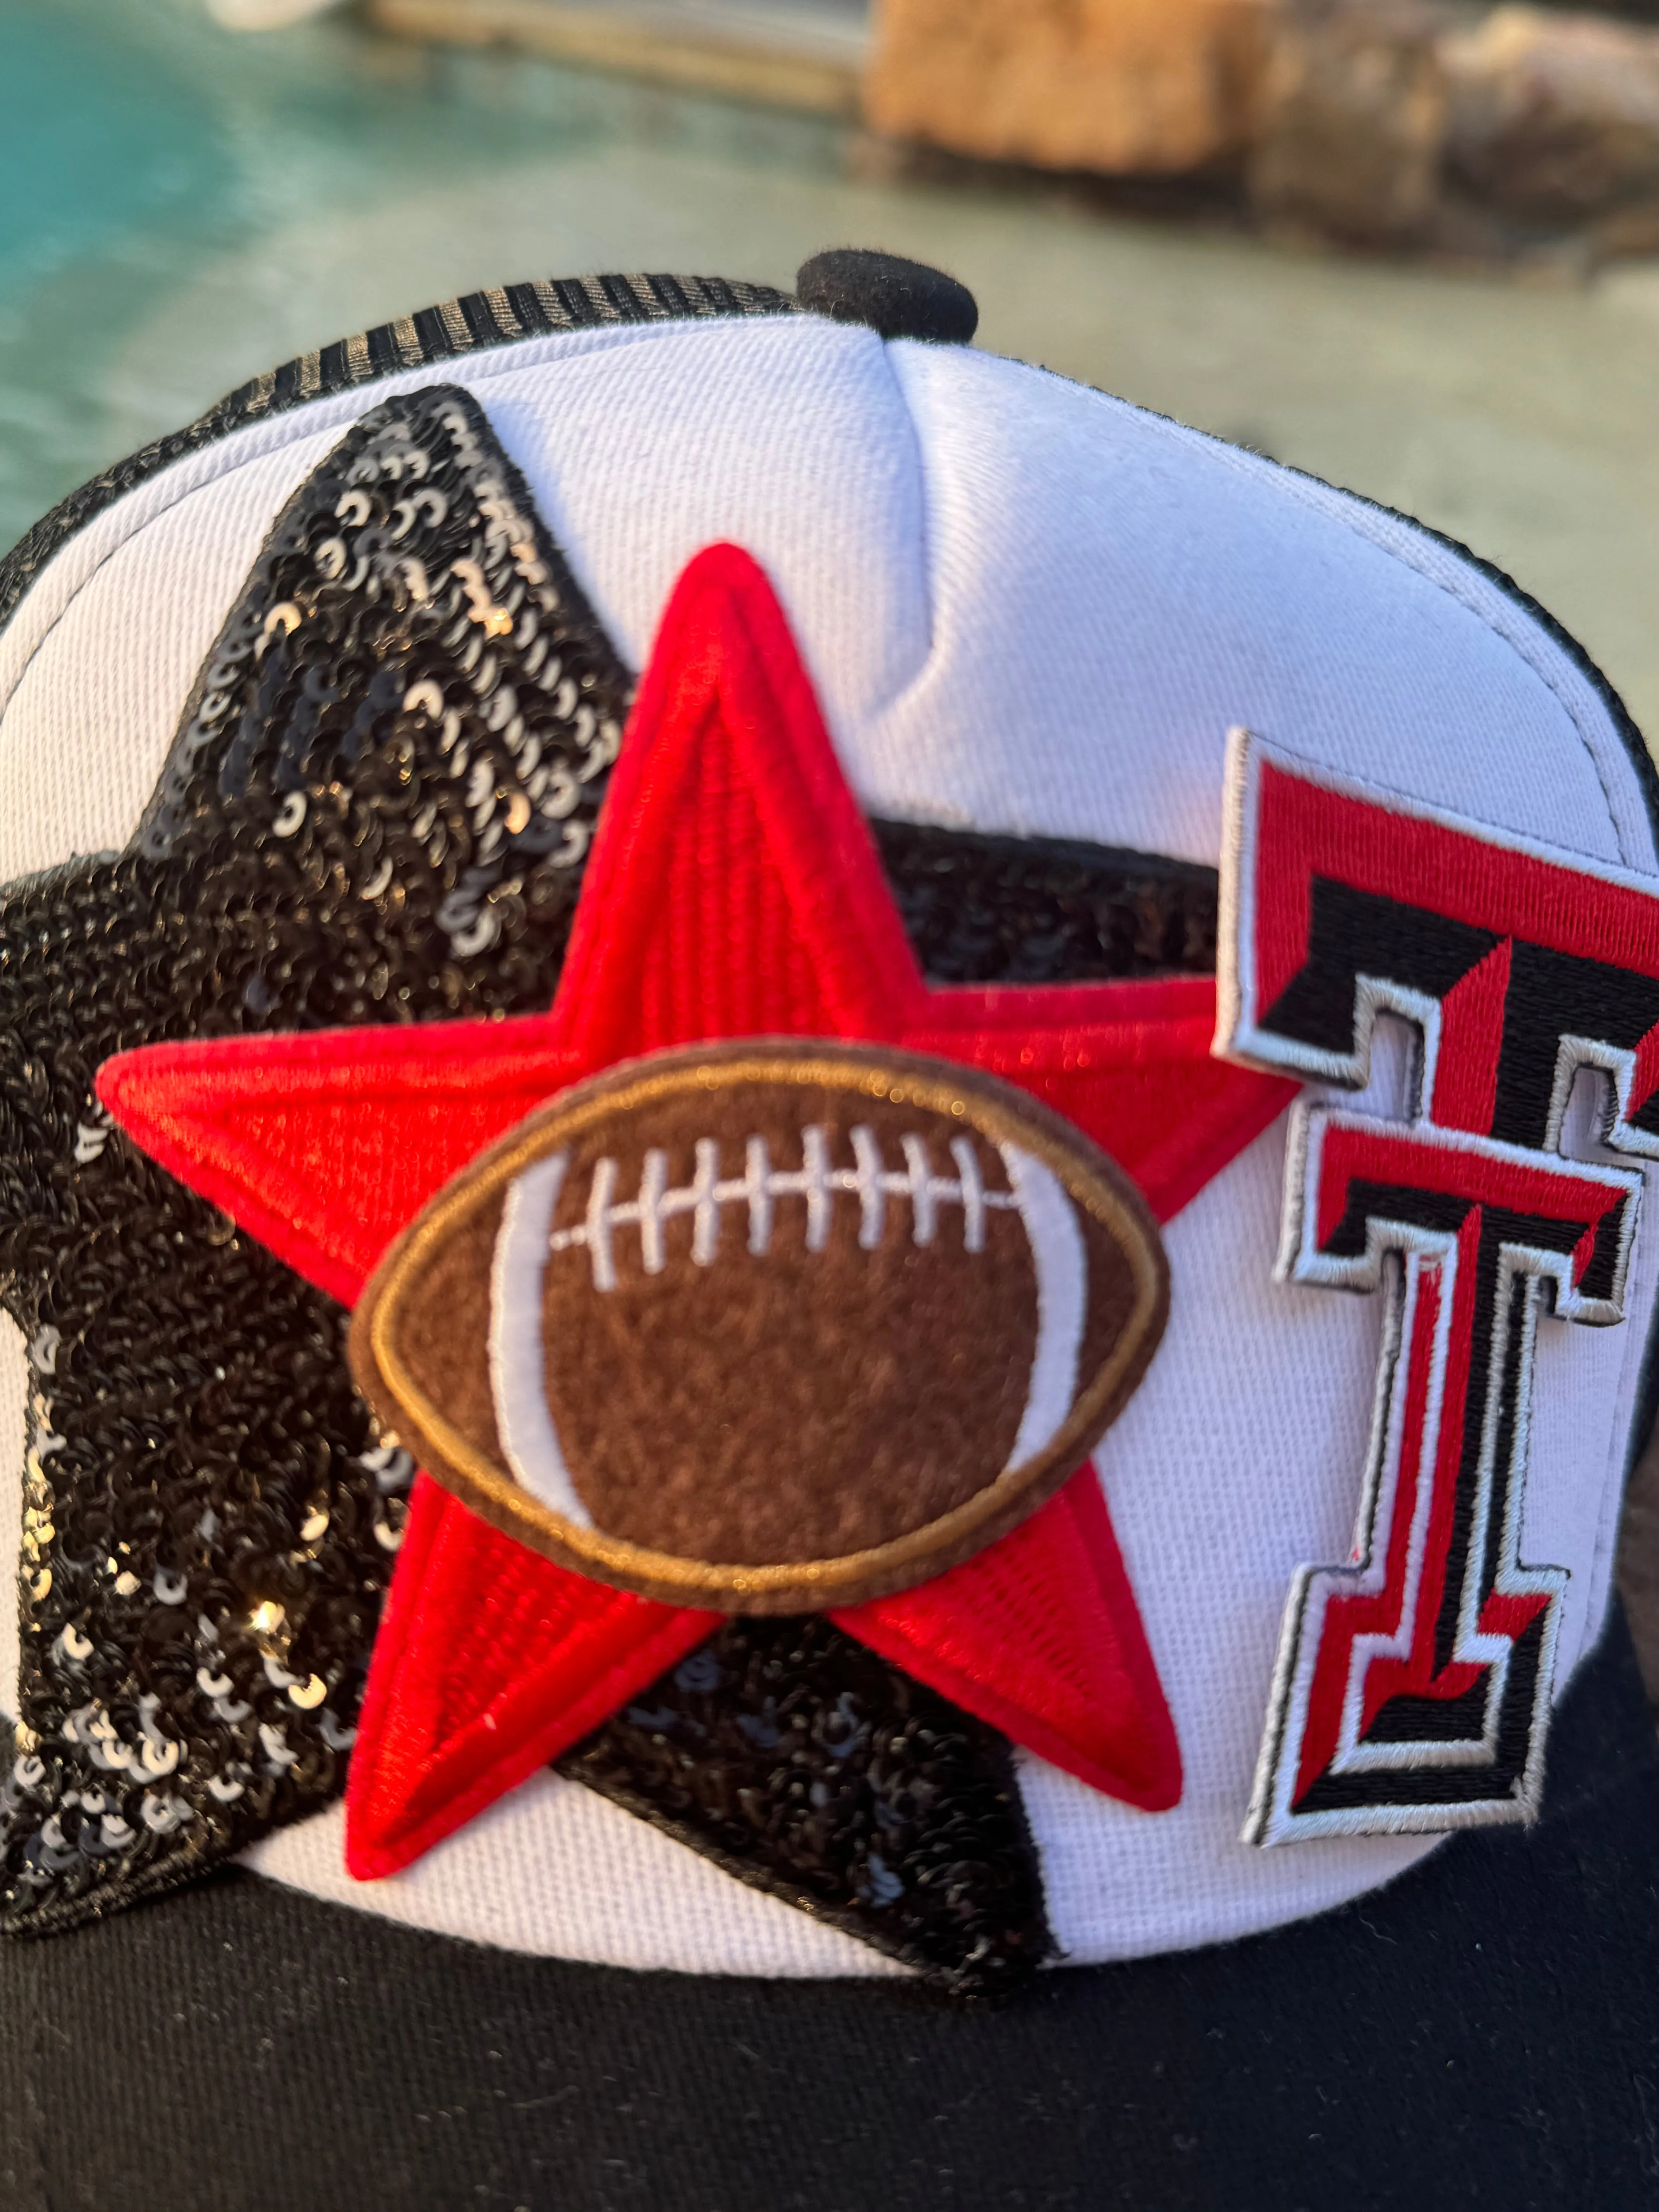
(524, 1418)
(1412, 1264)
(1238, 1033)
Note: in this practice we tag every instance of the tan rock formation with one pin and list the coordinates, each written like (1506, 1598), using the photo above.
(1353, 122)
(1117, 86)
(1555, 116)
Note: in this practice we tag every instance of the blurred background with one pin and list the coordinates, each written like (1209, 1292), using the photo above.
(1411, 246)
(1400, 245)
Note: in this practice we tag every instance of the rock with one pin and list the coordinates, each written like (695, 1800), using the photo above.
(1119, 87)
(1555, 117)
(1354, 121)
(1396, 122)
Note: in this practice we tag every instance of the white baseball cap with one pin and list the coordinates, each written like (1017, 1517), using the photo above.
(939, 706)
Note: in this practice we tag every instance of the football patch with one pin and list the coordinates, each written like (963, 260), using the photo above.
(769, 1327)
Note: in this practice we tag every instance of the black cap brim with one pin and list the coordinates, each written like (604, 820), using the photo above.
(1485, 2031)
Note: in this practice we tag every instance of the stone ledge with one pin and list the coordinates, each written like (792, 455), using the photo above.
(801, 59)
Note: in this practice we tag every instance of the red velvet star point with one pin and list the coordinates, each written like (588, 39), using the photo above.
(733, 891)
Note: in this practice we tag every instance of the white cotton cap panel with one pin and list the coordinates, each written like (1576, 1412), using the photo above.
(1111, 592)
(790, 438)
(556, 1870)
(641, 446)
(95, 693)
(1027, 608)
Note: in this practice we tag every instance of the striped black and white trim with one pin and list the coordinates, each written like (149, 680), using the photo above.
(472, 323)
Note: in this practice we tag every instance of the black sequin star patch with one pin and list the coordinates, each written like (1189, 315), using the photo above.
(799, 1761)
(377, 810)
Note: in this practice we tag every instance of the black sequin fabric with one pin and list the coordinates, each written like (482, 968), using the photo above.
(985, 910)
(376, 811)
(800, 1761)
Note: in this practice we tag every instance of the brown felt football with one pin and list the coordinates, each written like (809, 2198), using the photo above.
(767, 1327)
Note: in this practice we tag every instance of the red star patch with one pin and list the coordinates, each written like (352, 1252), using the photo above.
(733, 891)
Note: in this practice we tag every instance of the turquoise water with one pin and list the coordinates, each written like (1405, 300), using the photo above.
(144, 151)
(181, 206)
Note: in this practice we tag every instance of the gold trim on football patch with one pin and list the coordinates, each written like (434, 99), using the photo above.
(399, 1384)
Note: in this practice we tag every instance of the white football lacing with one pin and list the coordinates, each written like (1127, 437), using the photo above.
(760, 1186)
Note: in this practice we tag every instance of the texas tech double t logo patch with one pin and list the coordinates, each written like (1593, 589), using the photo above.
(1412, 1687)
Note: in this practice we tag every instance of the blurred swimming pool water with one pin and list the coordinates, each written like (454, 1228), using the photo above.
(181, 206)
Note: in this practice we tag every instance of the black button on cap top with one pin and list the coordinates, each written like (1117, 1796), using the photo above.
(899, 299)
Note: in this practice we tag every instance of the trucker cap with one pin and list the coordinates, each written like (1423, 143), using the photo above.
(822, 1198)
